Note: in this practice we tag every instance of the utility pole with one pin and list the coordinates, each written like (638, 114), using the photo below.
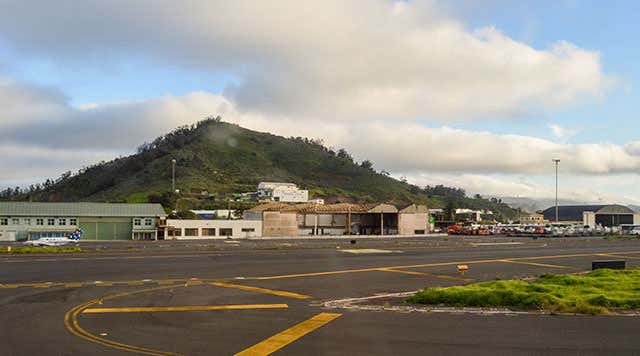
(173, 176)
(556, 161)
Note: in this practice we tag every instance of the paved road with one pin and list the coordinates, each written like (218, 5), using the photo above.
(269, 298)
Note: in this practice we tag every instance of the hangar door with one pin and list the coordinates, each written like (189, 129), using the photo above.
(106, 228)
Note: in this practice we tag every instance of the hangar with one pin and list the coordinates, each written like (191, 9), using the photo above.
(99, 221)
(281, 219)
(593, 215)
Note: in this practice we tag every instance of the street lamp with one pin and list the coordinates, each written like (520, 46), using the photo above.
(173, 175)
(556, 161)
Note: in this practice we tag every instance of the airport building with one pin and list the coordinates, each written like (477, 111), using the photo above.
(279, 219)
(593, 215)
(174, 229)
(99, 221)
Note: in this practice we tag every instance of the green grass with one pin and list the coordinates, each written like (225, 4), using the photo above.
(32, 249)
(597, 292)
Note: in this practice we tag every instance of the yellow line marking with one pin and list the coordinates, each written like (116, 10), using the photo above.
(167, 281)
(183, 308)
(429, 275)
(438, 264)
(71, 323)
(284, 338)
(134, 283)
(261, 290)
(104, 284)
(535, 264)
(618, 256)
(41, 285)
(74, 284)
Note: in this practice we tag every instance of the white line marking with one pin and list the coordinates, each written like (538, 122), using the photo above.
(369, 250)
(495, 243)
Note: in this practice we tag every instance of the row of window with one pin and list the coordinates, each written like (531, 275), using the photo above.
(40, 221)
(147, 222)
(209, 232)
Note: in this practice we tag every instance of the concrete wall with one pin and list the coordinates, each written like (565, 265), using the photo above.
(636, 219)
(275, 224)
(409, 223)
(236, 226)
(589, 218)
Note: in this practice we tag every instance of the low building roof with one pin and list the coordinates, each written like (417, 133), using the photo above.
(340, 208)
(575, 212)
(80, 209)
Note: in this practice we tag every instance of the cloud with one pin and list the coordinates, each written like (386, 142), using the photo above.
(399, 146)
(561, 132)
(330, 60)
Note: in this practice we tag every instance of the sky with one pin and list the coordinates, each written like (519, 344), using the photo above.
(479, 94)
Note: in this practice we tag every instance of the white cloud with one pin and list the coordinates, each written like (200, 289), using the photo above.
(561, 132)
(331, 59)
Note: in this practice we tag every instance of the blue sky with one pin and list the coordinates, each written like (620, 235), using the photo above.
(267, 70)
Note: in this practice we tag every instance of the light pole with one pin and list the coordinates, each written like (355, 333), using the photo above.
(556, 161)
(173, 175)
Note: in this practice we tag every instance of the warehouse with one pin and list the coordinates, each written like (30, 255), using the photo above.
(593, 215)
(99, 221)
(279, 219)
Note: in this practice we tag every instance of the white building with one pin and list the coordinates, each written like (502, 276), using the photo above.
(210, 229)
(282, 192)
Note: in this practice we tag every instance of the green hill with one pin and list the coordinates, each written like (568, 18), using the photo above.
(221, 159)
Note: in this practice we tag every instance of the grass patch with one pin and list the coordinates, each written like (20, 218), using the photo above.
(33, 249)
(597, 292)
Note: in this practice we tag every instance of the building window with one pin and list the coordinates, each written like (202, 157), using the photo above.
(51, 221)
(27, 221)
(137, 222)
(208, 231)
(148, 222)
(39, 221)
(190, 232)
(248, 229)
(73, 221)
(226, 232)
(15, 221)
(178, 232)
(4, 221)
(62, 222)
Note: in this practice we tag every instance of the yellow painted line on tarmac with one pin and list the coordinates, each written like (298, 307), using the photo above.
(72, 324)
(169, 281)
(184, 308)
(261, 290)
(103, 284)
(616, 255)
(284, 338)
(536, 264)
(428, 275)
(134, 283)
(73, 284)
(437, 264)
(41, 285)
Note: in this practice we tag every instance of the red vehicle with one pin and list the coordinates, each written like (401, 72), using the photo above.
(454, 230)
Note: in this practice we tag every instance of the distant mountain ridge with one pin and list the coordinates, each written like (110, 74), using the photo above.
(220, 158)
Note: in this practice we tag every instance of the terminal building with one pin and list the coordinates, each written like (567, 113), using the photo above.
(593, 215)
(99, 221)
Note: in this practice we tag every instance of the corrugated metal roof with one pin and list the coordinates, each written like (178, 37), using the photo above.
(79, 209)
(341, 208)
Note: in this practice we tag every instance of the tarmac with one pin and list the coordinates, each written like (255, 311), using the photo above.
(279, 296)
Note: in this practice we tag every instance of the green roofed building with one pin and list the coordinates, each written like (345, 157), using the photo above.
(99, 221)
